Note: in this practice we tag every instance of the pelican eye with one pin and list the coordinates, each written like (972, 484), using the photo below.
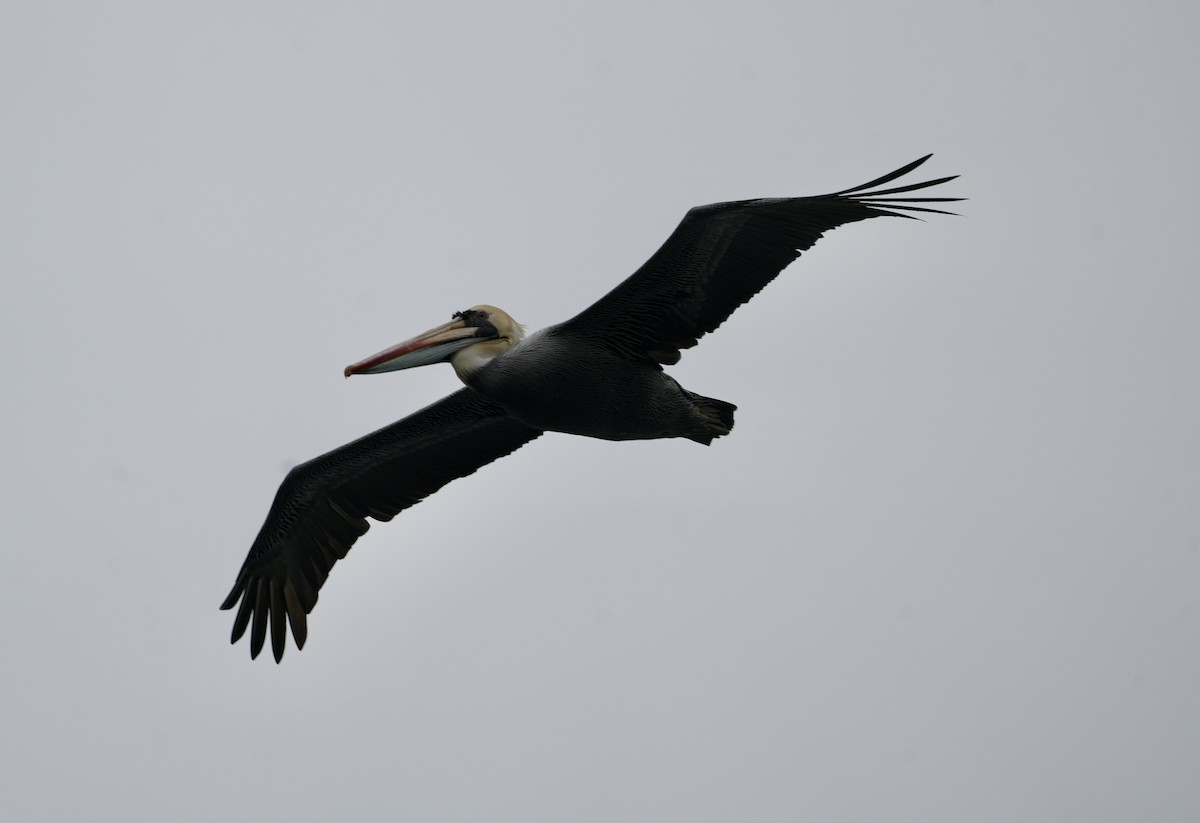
(476, 318)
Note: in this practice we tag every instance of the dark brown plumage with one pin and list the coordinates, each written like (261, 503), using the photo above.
(721, 255)
(323, 505)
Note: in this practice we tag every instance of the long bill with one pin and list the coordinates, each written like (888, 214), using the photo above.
(434, 346)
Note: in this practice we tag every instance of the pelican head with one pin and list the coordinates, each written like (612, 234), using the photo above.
(471, 340)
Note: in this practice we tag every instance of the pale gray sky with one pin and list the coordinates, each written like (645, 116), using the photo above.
(945, 569)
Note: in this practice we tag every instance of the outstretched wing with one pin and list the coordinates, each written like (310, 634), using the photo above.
(323, 505)
(723, 254)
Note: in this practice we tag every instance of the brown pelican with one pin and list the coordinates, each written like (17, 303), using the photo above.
(598, 374)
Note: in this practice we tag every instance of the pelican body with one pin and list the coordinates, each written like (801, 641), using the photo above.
(557, 383)
(599, 374)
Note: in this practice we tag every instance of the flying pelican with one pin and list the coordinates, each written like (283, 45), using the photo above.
(598, 374)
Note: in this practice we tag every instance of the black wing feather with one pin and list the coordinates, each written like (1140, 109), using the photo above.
(322, 506)
(723, 254)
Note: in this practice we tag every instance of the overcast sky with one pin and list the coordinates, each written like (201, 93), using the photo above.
(945, 569)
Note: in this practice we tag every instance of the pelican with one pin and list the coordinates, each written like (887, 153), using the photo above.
(599, 374)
